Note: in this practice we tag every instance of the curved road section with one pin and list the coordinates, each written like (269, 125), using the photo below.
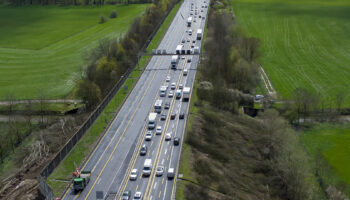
(118, 152)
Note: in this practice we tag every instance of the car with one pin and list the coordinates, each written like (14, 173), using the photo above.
(189, 60)
(158, 130)
(173, 115)
(167, 79)
(185, 72)
(199, 16)
(183, 40)
(181, 86)
(206, 6)
(162, 94)
(126, 195)
(159, 171)
(183, 57)
(173, 86)
(171, 173)
(143, 150)
(182, 116)
(192, 45)
(190, 32)
(202, 10)
(166, 105)
(203, 17)
(163, 117)
(148, 136)
(171, 94)
(188, 40)
(191, 14)
(176, 140)
(138, 195)
(133, 175)
(168, 136)
(194, 20)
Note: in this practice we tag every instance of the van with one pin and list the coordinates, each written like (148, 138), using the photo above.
(147, 167)
(171, 173)
(185, 71)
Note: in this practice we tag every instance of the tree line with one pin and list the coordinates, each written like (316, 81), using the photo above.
(71, 2)
(113, 57)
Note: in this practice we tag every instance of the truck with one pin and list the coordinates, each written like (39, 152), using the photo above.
(196, 50)
(186, 93)
(179, 49)
(199, 34)
(158, 106)
(80, 180)
(189, 21)
(174, 61)
(152, 120)
(147, 167)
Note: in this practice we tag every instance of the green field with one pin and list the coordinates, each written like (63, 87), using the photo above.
(332, 141)
(305, 43)
(42, 48)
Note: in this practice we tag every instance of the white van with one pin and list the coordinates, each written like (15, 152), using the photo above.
(185, 71)
(171, 173)
(147, 167)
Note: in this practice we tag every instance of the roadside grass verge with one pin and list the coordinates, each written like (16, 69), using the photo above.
(330, 143)
(304, 43)
(42, 47)
(86, 144)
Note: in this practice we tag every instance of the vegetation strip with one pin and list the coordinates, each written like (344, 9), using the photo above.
(85, 145)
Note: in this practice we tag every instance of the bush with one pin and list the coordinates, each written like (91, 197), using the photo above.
(113, 14)
(103, 19)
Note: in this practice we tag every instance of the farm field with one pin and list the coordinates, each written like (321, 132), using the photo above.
(332, 142)
(305, 43)
(42, 47)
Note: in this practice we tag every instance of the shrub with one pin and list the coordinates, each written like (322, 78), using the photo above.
(103, 19)
(113, 14)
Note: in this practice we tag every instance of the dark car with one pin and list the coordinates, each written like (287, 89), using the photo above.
(173, 115)
(182, 116)
(167, 105)
(163, 117)
(143, 150)
(176, 141)
(126, 195)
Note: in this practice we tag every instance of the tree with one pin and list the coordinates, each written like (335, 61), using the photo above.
(339, 100)
(10, 98)
(89, 92)
(42, 97)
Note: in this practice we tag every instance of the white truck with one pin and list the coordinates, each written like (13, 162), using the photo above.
(189, 21)
(186, 93)
(147, 167)
(196, 50)
(179, 49)
(199, 34)
(174, 60)
(152, 120)
(158, 106)
(162, 92)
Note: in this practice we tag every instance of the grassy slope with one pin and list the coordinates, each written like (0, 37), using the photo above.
(81, 150)
(305, 43)
(60, 36)
(333, 142)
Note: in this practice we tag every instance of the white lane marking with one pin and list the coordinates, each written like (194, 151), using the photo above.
(155, 185)
(150, 198)
(173, 126)
(166, 150)
(163, 161)
(98, 182)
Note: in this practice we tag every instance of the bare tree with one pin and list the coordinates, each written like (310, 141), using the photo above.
(43, 105)
(10, 98)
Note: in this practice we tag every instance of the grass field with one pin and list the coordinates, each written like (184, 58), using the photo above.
(85, 145)
(305, 43)
(41, 48)
(332, 141)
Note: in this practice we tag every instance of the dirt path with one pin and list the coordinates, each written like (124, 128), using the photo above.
(268, 85)
(38, 101)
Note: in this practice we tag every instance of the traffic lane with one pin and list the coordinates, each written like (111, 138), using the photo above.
(139, 162)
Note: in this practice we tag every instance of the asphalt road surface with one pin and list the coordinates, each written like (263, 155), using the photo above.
(118, 151)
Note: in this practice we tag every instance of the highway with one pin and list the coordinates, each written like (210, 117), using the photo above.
(118, 151)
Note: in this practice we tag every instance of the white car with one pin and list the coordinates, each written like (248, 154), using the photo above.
(167, 79)
(159, 171)
(173, 86)
(158, 130)
(171, 94)
(168, 136)
(133, 175)
(148, 136)
(181, 86)
(138, 195)
(171, 173)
